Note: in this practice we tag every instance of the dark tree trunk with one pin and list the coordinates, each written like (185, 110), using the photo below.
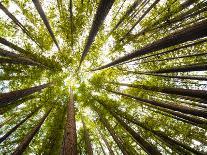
(101, 13)
(193, 32)
(4, 137)
(87, 139)
(18, 61)
(14, 19)
(113, 134)
(170, 76)
(45, 20)
(6, 98)
(107, 143)
(128, 12)
(24, 144)
(175, 107)
(186, 68)
(70, 137)
(168, 90)
(13, 46)
(140, 19)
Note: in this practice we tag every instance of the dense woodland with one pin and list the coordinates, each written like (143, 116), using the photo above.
(103, 77)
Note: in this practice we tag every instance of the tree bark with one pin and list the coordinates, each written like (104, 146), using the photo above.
(193, 32)
(4, 137)
(24, 144)
(7, 98)
(70, 137)
(17, 61)
(45, 20)
(15, 20)
(101, 13)
(175, 107)
(87, 139)
(168, 90)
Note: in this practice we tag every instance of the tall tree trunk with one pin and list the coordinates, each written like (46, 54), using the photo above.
(107, 143)
(4, 137)
(101, 13)
(193, 32)
(70, 137)
(140, 19)
(45, 20)
(171, 142)
(18, 23)
(13, 46)
(185, 68)
(24, 144)
(175, 107)
(112, 133)
(128, 12)
(168, 90)
(6, 98)
(87, 139)
(71, 22)
(17, 61)
(169, 76)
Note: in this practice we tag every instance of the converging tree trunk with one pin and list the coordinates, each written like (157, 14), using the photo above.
(45, 20)
(193, 32)
(70, 137)
(6, 98)
(168, 90)
(101, 13)
(25, 143)
(5, 136)
(87, 139)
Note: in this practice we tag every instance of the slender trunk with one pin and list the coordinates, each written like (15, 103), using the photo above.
(185, 68)
(101, 13)
(193, 32)
(45, 20)
(18, 61)
(7, 98)
(188, 3)
(15, 20)
(113, 134)
(87, 139)
(25, 143)
(140, 19)
(128, 12)
(71, 22)
(175, 107)
(173, 58)
(168, 90)
(13, 46)
(4, 137)
(70, 137)
(102, 147)
(169, 76)
(107, 143)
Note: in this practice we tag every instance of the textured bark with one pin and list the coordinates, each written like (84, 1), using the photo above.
(193, 32)
(185, 68)
(175, 107)
(13, 46)
(4, 137)
(25, 143)
(169, 90)
(70, 137)
(101, 13)
(128, 12)
(87, 139)
(107, 143)
(45, 20)
(18, 23)
(140, 19)
(6, 98)
(113, 134)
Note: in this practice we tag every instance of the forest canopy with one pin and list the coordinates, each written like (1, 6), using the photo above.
(103, 77)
